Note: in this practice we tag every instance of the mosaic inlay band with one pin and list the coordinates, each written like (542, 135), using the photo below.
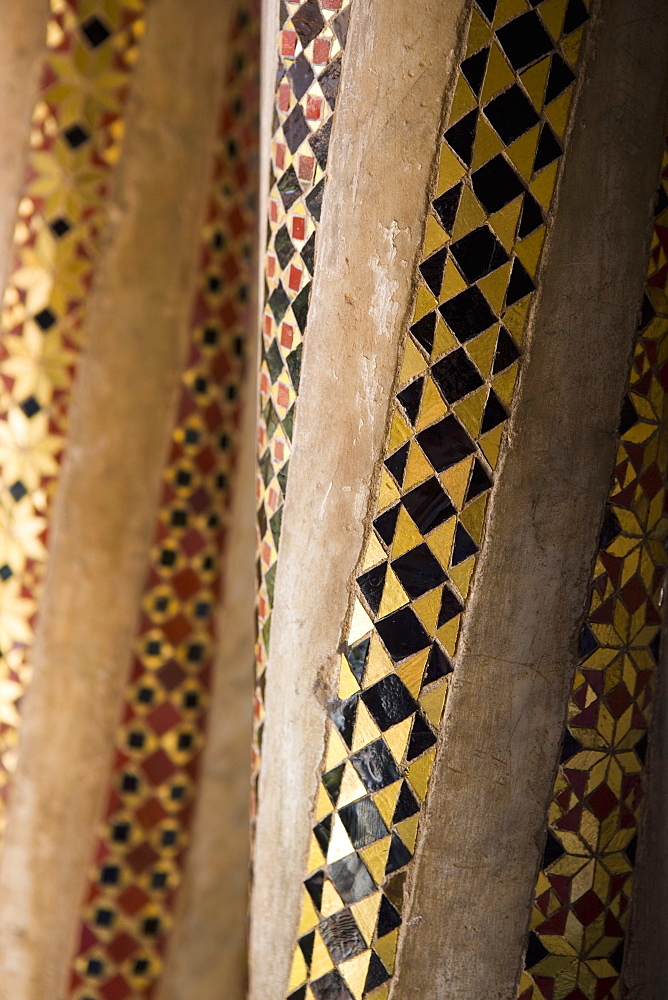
(581, 909)
(311, 39)
(76, 136)
(140, 851)
(498, 168)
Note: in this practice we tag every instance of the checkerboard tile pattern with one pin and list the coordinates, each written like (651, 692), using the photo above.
(311, 40)
(581, 908)
(75, 140)
(498, 167)
(143, 838)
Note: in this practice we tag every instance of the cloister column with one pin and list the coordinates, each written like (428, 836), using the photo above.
(462, 491)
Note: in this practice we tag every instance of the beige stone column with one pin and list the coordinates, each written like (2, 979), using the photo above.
(137, 320)
(372, 225)
(21, 49)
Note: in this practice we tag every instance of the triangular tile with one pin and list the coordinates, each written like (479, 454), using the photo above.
(504, 223)
(386, 801)
(483, 348)
(444, 339)
(366, 915)
(499, 75)
(366, 730)
(407, 830)
(397, 738)
(418, 467)
(347, 681)
(375, 858)
(473, 517)
(323, 804)
(388, 493)
(529, 250)
(522, 152)
(399, 431)
(432, 407)
(487, 144)
(535, 80)
(461, 575)
(424, 303)
(340, 845)
(508, 9)
(450, 170)
(552, 13)
(463, 101)
(514, 319)
(386, 949)
(412, 671)
(351, 784)
(455, 479)
(470, 216)
(413, 363)
(354, 971)
(448, 634)
(479, 33)
(432, 703)
(557, 112)
(394, 595)
(315, 856)
(360, 624)
(504, 384)
(419, 773)
(440, 541)
(542, 187)
(298, 971)
(379, 664)
(470, 411)
(337, 751)
(571, 46)
(321, 961)
(406, 535)
(490, 444)
(427, 609)
(374, 554)
(435, 236)
(309, 917)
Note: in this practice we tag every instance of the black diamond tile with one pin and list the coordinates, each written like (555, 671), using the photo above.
(456, 376)
(474, 68)
(283, 247)
(531, 218)
(95, 31)
(301, 76)
(461, 136)
(389, 702)
(294, 361)
(341, 936)
(331, 987)
(274, 361)
(446, 206)
(396, 463)
(295, 128)
(506, 352)
(438, 665)
(576, 15)
(511, 114)
(45, 319)
(520, 284)
(289, 188)
(308, 253)
(385, 524)
(560, 77)
(411, 396)
(496, 184)
(418, 571)
(479, 253)
(363, 822)
(450, 607)
(478, 483)
(351, 878)
(402, 633)
(329, 81)
(467, 314)
(495, 413)
(524, 40)
(429, 505)
(76, 136)
(60, 227)
(371, 584)
(548, 148)
(422, 738)
(18, 491)
(30, 406)
(375, 766)
(432, 270)
(464, 546)
(308, 22)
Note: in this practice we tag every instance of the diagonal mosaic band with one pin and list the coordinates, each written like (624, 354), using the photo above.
(142, 842)
(311, 37)
(581, 908)
(498, 167)
(75, 141)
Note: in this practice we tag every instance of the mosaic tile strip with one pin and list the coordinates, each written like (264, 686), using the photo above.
(580, 914)
(311, 40)
(141, 846)
(75, 140)
(498, 167)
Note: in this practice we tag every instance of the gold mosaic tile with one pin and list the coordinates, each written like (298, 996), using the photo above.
(498, 167)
